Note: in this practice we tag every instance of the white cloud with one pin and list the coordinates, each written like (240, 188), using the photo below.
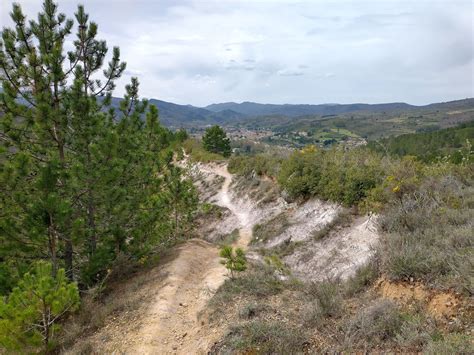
(290, 72)
(200, 52)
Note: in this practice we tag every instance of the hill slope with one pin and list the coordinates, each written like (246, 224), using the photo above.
(256, 109)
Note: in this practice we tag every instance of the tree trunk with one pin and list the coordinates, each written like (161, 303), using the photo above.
(68, 258)
(91, 223)
(52, 246)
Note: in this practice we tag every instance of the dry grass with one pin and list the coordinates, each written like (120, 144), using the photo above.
(228, 239)
(124, 293)
(257, 282)
(271, 228)
(378, 323)
(263, 338)
(324, 300)
(363, 278)
(429, 235)
(342, 220)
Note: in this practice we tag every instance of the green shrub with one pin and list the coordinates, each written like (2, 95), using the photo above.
(261, 164)
(336, 175)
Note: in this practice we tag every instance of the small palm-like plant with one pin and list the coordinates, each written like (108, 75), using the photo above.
(233, 260)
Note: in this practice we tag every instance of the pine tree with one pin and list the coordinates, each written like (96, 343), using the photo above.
(46, 120)
(215, 141)
(181, 198)
(30, 314)
(82, 178)
(233, 260)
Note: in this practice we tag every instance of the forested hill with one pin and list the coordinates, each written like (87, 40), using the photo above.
(175, 115)
(430, 146)
(256, 109)
(264, 115)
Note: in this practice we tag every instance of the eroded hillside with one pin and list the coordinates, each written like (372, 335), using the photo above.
(172, 314)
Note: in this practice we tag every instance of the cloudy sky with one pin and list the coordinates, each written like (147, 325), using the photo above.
(201, 52)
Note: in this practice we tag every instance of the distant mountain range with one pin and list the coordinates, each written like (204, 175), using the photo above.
(230, 112)
(175, 115)
(255, 109)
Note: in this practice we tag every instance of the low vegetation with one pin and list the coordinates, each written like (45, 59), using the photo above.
(324, 300)
(263, 164)
(429, 234)
(325, 317)
(255, 283)
(378, 323)
(268, 337)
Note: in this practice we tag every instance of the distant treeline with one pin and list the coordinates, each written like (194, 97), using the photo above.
(429, 146)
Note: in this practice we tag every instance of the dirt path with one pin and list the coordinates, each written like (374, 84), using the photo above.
(224, 199)
(194, 276)
(170, 324)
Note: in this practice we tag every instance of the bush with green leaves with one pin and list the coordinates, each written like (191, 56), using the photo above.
(29, 316)
(260, 164)
(337, 175)
(233, 260)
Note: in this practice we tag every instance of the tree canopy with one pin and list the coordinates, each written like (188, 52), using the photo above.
(82, 179)
(215, 141)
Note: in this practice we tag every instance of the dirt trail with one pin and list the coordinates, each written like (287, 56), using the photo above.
(170, 324)
(224, 200)
(194, 276)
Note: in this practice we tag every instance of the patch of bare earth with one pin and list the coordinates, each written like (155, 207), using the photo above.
(441, 305)
(167, 322)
